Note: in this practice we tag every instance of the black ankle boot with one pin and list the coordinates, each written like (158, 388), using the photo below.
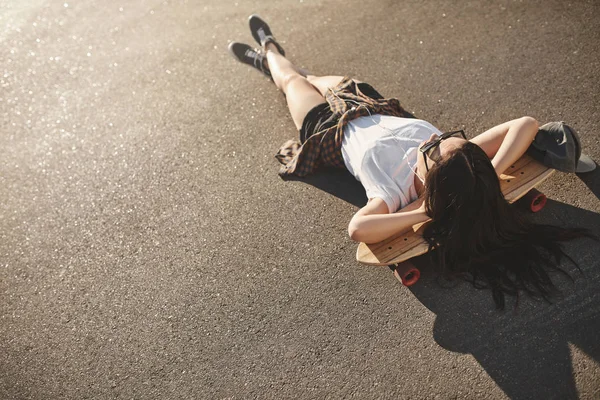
(253, 57)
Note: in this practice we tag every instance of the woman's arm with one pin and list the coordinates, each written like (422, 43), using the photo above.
(507, 142)
(372, 223)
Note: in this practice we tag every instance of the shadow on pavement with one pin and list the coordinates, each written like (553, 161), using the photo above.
(526, 351)
(592, 181)
(337, 182)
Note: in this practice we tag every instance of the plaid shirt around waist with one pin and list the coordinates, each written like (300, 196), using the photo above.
(324, 148)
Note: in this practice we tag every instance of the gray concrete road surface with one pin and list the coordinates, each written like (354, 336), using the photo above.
(149, 249)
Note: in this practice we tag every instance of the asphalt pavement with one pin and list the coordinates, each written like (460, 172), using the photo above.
(149, 249)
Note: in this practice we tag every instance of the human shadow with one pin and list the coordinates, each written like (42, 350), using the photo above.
(592, 181)
(337, 182)
(525, 350)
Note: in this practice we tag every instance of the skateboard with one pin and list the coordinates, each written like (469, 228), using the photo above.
(517, 183)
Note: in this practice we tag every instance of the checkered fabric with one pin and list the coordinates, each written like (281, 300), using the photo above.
(324, 148)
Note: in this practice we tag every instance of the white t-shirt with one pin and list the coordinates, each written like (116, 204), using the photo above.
(381, 152)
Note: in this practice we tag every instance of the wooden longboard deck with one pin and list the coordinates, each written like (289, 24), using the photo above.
(519, 179)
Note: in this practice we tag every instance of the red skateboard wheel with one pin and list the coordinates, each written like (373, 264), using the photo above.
(535, 200)
(407, 273)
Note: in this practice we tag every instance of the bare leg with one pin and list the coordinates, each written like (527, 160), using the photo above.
(303, 91)
(323, 83)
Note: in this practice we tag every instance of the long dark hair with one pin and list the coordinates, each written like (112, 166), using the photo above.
(480, 237)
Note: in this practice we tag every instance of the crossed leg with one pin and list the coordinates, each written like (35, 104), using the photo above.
(302, 91)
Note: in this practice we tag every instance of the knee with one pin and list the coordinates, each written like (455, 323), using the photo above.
(312, 79)
(292, 79)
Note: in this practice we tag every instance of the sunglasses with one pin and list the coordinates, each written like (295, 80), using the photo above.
(431, 149)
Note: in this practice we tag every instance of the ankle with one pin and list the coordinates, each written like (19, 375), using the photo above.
(265, 64)
(271, 47)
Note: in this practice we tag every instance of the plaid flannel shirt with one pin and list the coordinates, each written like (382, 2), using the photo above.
(324, 147)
